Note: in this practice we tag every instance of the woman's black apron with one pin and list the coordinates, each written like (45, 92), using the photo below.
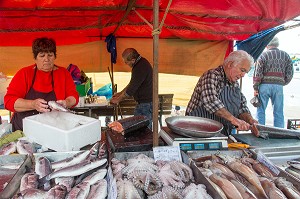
(231, 98)
(17, 119)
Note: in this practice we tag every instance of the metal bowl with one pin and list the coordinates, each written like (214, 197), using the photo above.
(191, 126)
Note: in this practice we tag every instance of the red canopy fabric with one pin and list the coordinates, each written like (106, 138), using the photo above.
(81, 21)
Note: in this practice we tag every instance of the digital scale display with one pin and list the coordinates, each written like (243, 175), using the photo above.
(200, 146)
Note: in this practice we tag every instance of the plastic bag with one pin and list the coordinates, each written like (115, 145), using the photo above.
(104, 91)
(255, 101)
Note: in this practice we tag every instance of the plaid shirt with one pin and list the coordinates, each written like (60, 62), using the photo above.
(207, 92)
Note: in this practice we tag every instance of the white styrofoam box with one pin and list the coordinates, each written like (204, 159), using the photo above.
(62, 131)
(4, 82)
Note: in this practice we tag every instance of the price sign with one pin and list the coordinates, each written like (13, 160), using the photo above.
(167, 153)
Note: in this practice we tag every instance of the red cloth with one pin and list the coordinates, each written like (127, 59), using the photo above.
(20, 84)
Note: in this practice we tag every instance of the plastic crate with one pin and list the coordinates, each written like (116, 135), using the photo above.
(83, 88)
(293, 124)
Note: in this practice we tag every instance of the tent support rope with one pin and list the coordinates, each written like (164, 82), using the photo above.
(157, 30)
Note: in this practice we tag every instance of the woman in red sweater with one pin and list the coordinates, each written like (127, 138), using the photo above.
(33, 86)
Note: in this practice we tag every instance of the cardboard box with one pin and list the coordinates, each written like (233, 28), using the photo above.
(4, 82)
(62, 131)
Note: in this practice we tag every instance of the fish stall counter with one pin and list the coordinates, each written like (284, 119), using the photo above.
(44, 175)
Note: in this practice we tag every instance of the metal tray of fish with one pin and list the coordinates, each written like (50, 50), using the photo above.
(199, 179)
(239, 153)
(280, 155)
(12, 168)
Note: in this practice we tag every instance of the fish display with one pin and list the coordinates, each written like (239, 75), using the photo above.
(141, 177)
(21, 147)
(251, 178)
(87, 168)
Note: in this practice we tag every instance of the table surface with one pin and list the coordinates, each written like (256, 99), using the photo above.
(250, 139)
(139, 140)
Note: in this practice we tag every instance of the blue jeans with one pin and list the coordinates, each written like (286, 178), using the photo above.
(275, 93)
(146, 110)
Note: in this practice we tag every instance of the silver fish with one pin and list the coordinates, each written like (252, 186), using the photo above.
(29, 180)
(294, 163)
(98, 190)
(57, 192)
(68, 182)
(94, 177)
(25, 147)
(43, 168)
(56, 106)
(80, 191)
(293, 171)
(78, 157)
(31, 193)
(8, 148)
(74, 170)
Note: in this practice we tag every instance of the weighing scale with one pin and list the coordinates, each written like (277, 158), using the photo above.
(217, 142)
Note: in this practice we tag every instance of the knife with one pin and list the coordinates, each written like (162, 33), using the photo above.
(254, 130)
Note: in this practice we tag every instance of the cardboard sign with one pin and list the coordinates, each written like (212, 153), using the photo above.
(167, 153)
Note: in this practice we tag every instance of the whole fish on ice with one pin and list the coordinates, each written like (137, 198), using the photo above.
(98, 190)
(56, 106)
(78, 157)
(29, 181)
(25, 147)
(294, 163)
(74, 170)
(8, 148)
(43, 168)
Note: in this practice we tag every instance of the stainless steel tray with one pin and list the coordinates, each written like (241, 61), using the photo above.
(14, 183)
(238, 153)
(190, 126)
(280, 155)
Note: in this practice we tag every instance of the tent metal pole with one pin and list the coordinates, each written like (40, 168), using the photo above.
(155, 71)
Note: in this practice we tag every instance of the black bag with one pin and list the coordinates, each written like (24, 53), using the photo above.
(255, 101)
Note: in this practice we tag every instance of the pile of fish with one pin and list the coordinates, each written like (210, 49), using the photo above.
(141, 177)
(21, 147)
(80, 176)
(244, 177)
(294, 168)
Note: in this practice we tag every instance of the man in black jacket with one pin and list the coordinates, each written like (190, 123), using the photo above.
(140, 85)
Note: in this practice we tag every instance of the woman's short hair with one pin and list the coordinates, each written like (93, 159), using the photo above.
(44, 45)
(238, 57)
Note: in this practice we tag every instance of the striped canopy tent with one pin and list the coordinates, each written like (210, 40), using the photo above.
(194, 35)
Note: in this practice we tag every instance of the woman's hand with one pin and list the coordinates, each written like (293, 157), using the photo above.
(40, 105)
(62, 102)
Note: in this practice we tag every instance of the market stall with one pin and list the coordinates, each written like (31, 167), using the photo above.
(122, 160)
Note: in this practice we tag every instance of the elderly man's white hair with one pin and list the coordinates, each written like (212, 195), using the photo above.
(274, 42)
(238, 56)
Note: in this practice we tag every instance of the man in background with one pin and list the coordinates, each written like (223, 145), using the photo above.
(273, 70)
(140, 85)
